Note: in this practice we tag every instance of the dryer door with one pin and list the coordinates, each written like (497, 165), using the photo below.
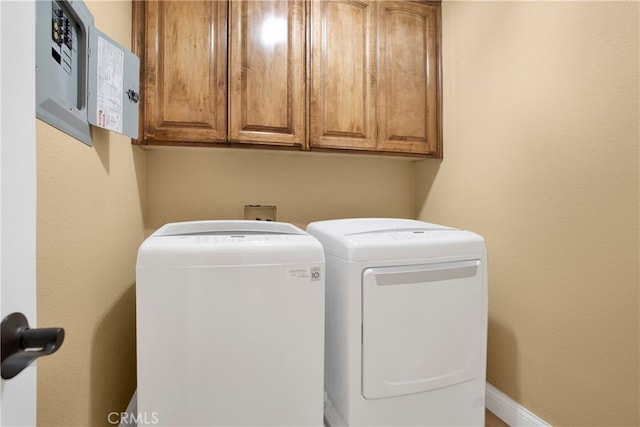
(422, 327)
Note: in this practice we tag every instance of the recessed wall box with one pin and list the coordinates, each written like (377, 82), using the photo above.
(83, 77)
(260, 212)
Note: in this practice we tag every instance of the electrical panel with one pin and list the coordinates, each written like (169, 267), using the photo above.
(83, 77)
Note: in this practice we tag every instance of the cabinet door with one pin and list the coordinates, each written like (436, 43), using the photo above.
(409, 77)
(343, 76)
(267, 72)
(185, 71)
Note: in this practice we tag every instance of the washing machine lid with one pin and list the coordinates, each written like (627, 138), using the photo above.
(378, 239)
(228, 243)
(230, 227)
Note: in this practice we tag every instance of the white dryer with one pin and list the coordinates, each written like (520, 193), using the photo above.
(406, 323)
(230, 325)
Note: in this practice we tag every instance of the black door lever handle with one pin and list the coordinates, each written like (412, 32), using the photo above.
(22, 345)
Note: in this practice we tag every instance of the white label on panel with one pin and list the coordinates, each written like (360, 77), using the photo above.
(298, 273)
(110, 86)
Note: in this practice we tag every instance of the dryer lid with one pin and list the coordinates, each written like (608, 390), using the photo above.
(377, 239)
(349, 226)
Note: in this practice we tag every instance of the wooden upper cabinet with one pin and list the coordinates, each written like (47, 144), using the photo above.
(309, 75)
(185, 70)
(343, 75)
(409, 78)
(267, 72)
(375, 76)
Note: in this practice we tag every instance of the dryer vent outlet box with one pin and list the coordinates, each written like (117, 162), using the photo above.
(83, 77)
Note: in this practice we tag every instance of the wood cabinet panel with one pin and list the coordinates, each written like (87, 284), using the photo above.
(408, 78)
(343, 76)
(185, 70)
(311, 75)
(266, 72)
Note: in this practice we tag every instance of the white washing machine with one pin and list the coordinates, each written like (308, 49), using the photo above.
(406, 323)
(230, 325)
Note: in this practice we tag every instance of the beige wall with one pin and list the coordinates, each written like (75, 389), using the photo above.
(89, 226)
(541, 136)
(188, 184)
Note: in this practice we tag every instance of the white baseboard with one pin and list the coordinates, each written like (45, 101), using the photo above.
(510, 411)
